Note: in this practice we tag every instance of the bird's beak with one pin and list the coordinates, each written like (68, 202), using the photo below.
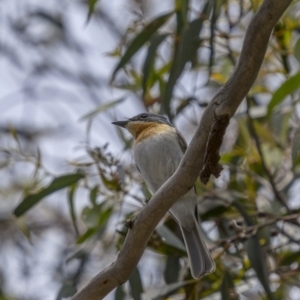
(120, 123)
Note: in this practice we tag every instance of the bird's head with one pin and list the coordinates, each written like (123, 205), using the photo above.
(141, 122)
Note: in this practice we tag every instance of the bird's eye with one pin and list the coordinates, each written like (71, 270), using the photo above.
(143, 116)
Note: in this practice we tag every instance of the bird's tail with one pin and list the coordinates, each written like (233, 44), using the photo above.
(201, 261)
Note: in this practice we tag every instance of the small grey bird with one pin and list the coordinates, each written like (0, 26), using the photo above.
(158, 150)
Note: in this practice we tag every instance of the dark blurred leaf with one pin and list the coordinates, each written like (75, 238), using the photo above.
(283, 37)
(227, 288)
(281, 125)
(297, 50)
(96, 216)
(66, 291)
(296, 148)
(186, 48)
(169, 237)
(216, 9)
(111, 184)
(93, 195)
(57, 184)
(289, 258)
(256, 254)
(90, 232)
(120, 294)
(71, 207)
(215, 212)
(101, 108)
(140, 40)
(288, 87)
(150, 58)
(92, 4)
(181, 15)
(172, 269)
(136, 286)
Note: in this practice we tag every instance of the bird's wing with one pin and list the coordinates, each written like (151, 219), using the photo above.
(181, 141)
(183, 146)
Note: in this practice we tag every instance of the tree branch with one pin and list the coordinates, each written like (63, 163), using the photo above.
(223, 106)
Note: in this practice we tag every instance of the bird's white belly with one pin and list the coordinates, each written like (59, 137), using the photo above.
(157, 158)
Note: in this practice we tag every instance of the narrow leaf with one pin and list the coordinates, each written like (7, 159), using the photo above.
(227, 288)
(57, 184)
(89, 232)
(71, 207)
(185, 51)
(140, 40)
(136, 286)
(150, 58)
(256, 254)
(100, 109)
(172, 269)
(169, 237)
(297, 50)
(92, 4)
(287, 88)
(66, 291)
(296, 149)
(93, 195)
(120, 294)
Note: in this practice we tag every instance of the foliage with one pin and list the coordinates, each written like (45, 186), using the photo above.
(252, 214)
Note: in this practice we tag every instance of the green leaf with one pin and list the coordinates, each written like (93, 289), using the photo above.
(287, 88)
(227, 288)
(140, 40)
(256, 254)
(93, 195)
(101, 108)
(111, 184)
(120, 294)
(92, 4)
(71, 207)
(150, 58)
(136, 286)
(169, 237)
(66, 291)
(296, 148)
(290, 257)
(297, 50)
(89, 232)
(186, 48)
(57, 184)
(172, 269)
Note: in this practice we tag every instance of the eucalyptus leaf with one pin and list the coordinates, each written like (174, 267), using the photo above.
(287, 88)
(139, 41)
(297, 50)
(169, 237)
(136, 287)
(57, 184)
(150, 58)
(101, 108)
(92, 4)
(67, 290)
(256, 254)
(185, 51)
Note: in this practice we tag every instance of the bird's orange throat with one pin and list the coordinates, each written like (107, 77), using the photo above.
(143, 130)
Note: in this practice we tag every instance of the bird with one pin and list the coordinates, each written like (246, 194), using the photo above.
(158, 149)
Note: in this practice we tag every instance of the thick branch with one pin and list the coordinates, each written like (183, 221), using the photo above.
(222, 106)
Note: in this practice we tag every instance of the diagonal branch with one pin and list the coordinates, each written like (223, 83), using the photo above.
(222, 107)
